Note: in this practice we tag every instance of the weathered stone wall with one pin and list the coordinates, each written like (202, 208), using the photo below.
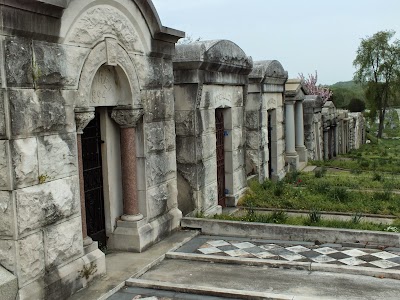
(218, 79)
(49, 61)
(313, 130)
(264, 106)
(357, 130)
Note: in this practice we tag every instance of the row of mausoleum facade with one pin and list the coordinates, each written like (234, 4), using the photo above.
(110, 133)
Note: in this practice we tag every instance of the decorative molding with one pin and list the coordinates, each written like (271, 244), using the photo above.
(103, 20)
(83, 115)
(127, 116)
(112, 53)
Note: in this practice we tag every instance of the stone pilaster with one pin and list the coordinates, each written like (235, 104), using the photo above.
(300, 147)
(291, 155)
(127, 117)
(83, 115)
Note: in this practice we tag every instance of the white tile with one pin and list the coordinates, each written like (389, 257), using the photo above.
(323, 259)
(384, 264)
(354, 252)
(209, 250)
(384, 255)
(218, 243)
(291, 257)
(243, 245)
(269, 246)
(264, 254)
(326, 250)
(235, 253)
(352, 261)
(297, 249)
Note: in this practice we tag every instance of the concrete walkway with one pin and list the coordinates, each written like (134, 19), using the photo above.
(227, 267)
(123, 265)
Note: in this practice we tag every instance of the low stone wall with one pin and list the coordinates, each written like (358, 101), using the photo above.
(292, 233)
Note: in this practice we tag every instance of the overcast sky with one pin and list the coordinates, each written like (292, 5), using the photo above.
(304, 36)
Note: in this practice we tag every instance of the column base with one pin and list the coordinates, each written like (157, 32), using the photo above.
(138, 236)
(132, 218)
(292, 160)
(232, 200)
(87, 241)
(66, 280)
(303, 153)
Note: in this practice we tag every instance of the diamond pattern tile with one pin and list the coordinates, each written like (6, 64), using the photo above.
(371, 258)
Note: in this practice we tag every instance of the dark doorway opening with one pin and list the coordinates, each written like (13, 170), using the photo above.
(93, 181)
(219, 131)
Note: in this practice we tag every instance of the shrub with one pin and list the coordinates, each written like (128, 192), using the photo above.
(322, 187)
(356, 218)
(356, 105)
(279, 188)
(292, 176)
(320, 172)
(314, 216)
(279, 217)
(364, 163)
(339, 193)
(356, 171)
(377, 177)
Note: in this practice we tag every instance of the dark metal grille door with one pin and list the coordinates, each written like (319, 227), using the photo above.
(219, 131)
(269, 146)
(93, 178)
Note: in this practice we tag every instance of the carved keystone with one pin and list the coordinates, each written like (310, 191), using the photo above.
(127, 116)
(83, 115)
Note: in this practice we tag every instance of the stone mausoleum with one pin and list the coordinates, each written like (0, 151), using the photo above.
(87, 138)
(264, 114)
(211, 80)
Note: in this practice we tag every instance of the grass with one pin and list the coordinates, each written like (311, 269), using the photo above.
(282, 218)
(320, 194)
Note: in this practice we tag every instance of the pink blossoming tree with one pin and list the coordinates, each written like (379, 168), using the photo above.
(314, 89)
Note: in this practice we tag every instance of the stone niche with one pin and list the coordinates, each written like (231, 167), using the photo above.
(313, 130)
(62, 58)
(265, 151)
(210, 77)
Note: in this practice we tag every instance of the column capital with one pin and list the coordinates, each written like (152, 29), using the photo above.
(127, 116)
(290, 102)
(83, 115)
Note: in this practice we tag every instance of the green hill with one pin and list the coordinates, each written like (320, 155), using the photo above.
(344, 91)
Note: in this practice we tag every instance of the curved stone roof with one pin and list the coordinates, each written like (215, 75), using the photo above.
(215, 55)
(265, 69)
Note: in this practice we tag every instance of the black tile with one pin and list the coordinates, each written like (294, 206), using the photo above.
(338, 255)
(254, 250)
(368, 258)
(227, 248)
(310, 254)
(395, 259)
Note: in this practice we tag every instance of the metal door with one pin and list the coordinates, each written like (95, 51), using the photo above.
(270, 170)
(93, 178)
(219, 131)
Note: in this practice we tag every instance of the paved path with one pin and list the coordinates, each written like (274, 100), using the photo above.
(223, 266)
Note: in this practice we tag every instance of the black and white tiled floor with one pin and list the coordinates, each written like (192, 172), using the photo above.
(373, 258)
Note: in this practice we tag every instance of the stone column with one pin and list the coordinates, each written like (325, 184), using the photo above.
(300, 147)
(326, 143)
(289, 128)
(292, 157)
(127, 118)
(83, 115)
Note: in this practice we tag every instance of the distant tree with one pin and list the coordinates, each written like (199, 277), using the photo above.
(378, 68)
(314, 89)
(356, 105)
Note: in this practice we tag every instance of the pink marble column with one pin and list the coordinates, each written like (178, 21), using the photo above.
(127, 118)
(82, 117)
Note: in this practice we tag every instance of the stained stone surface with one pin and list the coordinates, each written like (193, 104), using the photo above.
(160, 167)
(4, 166)
(6, 214)
(46, 203)
(57, 156)
(18, 62)
(37, 111)
(63, 242)
(7, 254)
(158, 105)
(25, 163)
(57, 65)
(30, 258)
(161, 198)
(155, 138)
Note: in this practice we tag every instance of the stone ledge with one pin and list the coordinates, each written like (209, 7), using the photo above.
(291, 233)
